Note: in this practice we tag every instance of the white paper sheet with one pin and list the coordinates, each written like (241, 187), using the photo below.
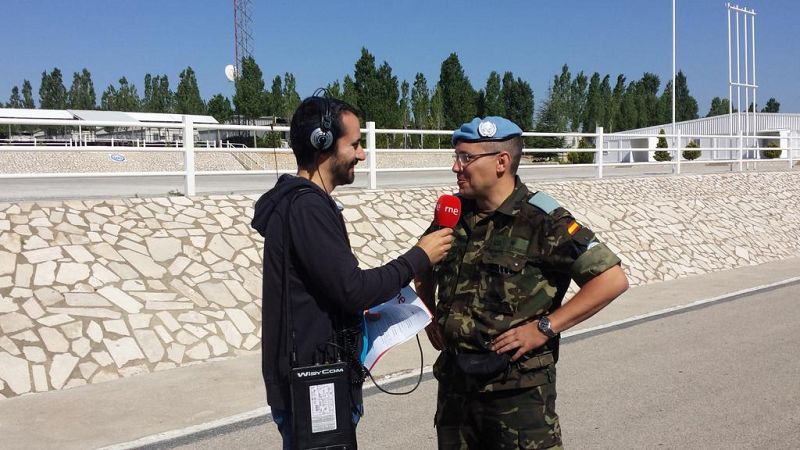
(401, 318)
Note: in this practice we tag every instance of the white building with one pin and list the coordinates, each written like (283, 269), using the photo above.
(714, 134)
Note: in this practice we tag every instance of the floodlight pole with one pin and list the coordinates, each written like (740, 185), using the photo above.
(673, 71)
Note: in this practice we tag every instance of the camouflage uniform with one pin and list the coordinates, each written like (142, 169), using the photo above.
(505, 270)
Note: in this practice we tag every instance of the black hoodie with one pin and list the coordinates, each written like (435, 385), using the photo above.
(325, 282)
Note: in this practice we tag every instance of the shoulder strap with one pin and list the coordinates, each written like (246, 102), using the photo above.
(544, 202)
(289, 347)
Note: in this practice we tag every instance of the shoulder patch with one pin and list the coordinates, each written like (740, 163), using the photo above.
(544, 202)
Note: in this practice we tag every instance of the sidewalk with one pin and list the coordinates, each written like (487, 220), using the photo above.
(193, 398)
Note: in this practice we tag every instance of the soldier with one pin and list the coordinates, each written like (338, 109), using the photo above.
(499, 297)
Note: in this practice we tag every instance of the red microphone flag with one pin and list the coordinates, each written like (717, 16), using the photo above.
(448, 211)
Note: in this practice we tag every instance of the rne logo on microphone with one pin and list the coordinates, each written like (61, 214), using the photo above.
(451, 210)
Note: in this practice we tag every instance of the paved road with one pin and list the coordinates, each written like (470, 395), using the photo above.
(725, 376)
(110, 187)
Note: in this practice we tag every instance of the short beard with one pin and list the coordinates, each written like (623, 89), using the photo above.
(341, 172)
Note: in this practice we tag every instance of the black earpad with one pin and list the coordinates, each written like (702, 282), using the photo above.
(322, 136)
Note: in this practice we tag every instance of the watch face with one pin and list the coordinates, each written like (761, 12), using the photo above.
(544, 327)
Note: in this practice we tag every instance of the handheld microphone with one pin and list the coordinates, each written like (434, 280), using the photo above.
(447, 212)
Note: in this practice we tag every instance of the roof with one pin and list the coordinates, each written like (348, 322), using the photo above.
(134, 118)
(12, 113)
(721, 125)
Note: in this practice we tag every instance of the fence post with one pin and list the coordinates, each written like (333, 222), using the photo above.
(741, 152)
(373, 156)
(188, 159)
(789, 149)
(678, 154)
(599, 146)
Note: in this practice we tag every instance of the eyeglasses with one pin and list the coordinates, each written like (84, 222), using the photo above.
(463, 159)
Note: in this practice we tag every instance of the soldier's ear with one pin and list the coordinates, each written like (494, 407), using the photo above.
(503, 163)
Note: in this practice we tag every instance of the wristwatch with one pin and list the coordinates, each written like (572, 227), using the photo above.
(544, 327)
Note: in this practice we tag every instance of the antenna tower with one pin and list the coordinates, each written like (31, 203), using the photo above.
(243, 38)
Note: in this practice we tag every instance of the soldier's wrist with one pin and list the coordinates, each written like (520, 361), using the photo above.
(545, 327)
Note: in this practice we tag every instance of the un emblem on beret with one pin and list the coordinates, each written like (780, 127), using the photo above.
(487, 129)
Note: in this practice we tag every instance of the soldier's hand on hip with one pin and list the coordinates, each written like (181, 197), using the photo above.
(523, 338)
(436, 244)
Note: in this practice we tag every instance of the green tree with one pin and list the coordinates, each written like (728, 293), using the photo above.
(662, 155)
(291, 99)
(420, 102)
(649, 105)
(593, 114)
(685, 104)
(615, 109)
(772, 106)
(81, 94)
(249, 98)
(518, 101)
(389, 113)
(773, 152)
(334, 89)
(421, 110)
(493, 103)
(349, 92)
(628, 109)
(27, 95)
(52, 93)
(220, 108)
(405, 104)
(158, 97)
(366, 86)
(405, 110)
(550, 119)
(459, 99)
(581, 157)
(437, 119)
(15, 101)
(565, 100)
(276, 103)
(124, 98)
(692, 154)
(187, 96)
(718, 107)
(606, 103)
(571, 97)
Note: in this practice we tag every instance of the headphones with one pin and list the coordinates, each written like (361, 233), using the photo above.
(322, 136)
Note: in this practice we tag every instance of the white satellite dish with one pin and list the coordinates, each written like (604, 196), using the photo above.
(230, 72)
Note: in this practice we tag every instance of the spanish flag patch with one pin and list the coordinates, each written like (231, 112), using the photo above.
(573, 228)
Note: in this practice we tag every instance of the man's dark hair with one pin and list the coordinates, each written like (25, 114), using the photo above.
(306, 118)
(514, 148)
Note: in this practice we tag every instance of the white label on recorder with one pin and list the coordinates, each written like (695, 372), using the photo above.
(323, 407)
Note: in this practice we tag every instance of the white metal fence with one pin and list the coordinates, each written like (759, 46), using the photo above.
(736, 151)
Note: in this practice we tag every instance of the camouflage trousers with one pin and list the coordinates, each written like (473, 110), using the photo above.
(509, 419)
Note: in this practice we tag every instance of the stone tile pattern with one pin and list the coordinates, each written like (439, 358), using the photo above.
(94, 290)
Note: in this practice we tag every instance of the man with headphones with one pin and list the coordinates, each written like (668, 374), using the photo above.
(309, 266)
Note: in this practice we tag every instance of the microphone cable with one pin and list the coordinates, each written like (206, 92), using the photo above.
(419, 378)
(369, 374)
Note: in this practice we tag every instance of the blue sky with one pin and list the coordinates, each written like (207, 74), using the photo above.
(321, 41)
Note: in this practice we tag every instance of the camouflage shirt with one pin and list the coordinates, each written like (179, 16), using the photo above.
(506, 269)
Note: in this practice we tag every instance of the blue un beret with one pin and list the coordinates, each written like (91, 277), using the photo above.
(492, 128)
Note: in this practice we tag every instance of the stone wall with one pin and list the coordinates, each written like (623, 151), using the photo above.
(92, 291)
